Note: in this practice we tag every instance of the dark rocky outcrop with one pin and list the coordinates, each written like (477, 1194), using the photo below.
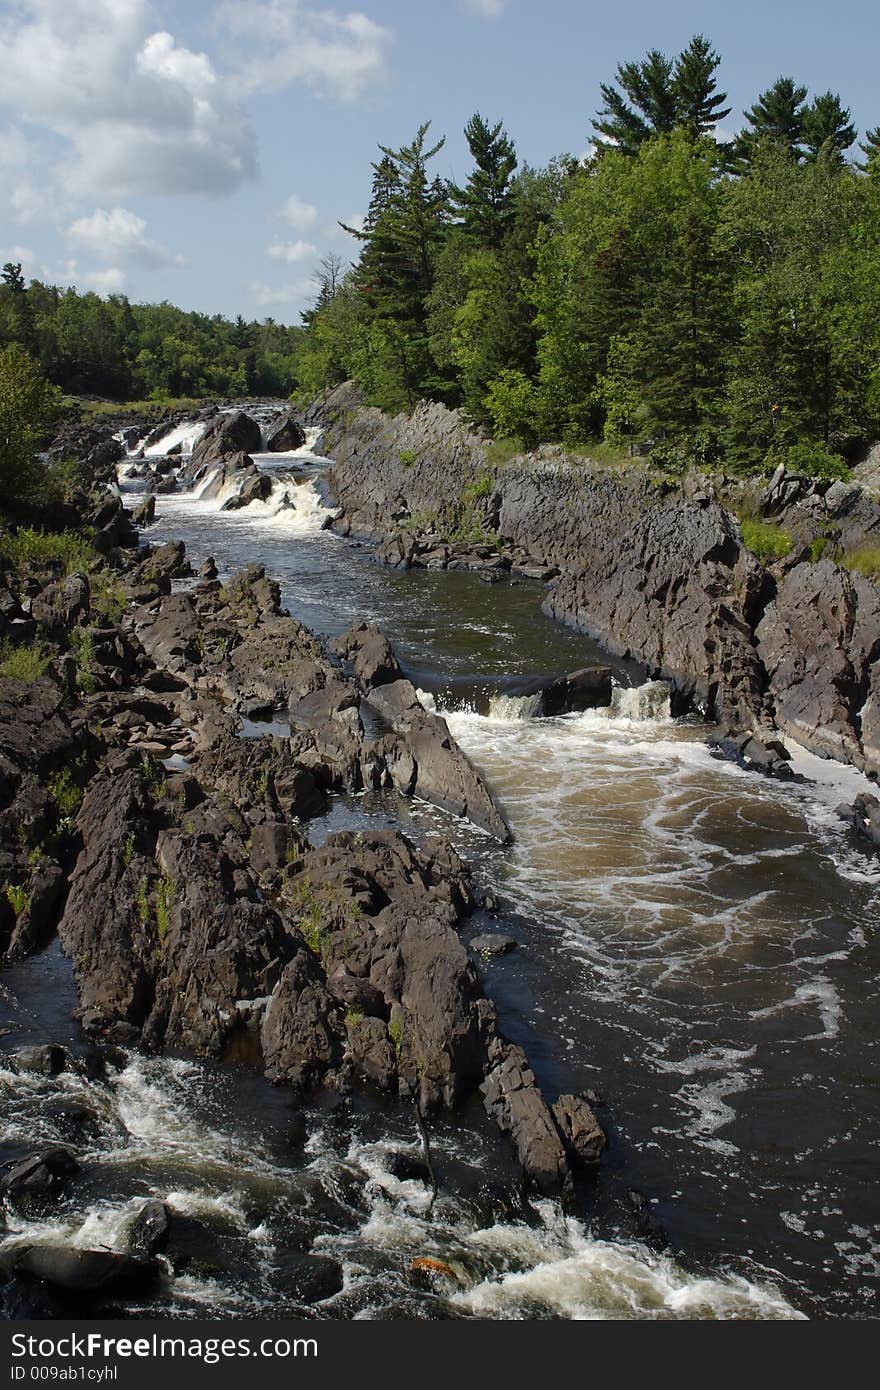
(655, 570)
(95, 1273)
(284, 434)
(36, 1182)
(227, 433)
(863, 816)
(819, 641)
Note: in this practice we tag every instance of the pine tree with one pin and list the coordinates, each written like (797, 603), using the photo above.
(778, 114)
(827, 125)
(22, 315)
(646, 86)
(699, 106)
(870, 148)
(486, 203)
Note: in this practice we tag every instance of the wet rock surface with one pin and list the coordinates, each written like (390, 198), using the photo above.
(197, 915)
(656, 571)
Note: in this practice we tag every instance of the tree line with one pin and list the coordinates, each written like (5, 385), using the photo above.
(109, 347)
(705, 297)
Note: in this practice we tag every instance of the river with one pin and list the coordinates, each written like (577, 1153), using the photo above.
(696, 943)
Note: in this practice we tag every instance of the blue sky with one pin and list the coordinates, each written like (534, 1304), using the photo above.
(202, 151)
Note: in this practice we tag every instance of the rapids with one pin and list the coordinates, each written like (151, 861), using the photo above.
(695, 942)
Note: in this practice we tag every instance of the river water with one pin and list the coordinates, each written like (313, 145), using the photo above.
(695, 943)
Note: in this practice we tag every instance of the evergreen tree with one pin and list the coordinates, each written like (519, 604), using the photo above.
(486, 203)
(778, 115)
(642, 104)
(699, 106)
(22, 319)
(870, 148)
(827, 125)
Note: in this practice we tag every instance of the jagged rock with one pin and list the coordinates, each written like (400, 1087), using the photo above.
(493, 944)
(756, 751)
(301, 1026)
(48, 1060)
(144, 514)
(257, 488)
(864, 818)
(819, 641)
(38, 1180)
(285, 434)
(582, 1135)
(370, 654)
(233, 433)
(513, 1100)
(148, 1233)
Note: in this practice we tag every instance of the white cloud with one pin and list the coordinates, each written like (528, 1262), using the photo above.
(281, 42)
(20, 255)
(121, 235)
(141, 113)
(297, 292)
(489, 9)
(293, 251)
(299, 214)
(15, 150)
(109, 281)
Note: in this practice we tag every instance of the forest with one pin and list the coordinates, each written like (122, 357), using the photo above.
(702, 299)
(109, 347)
(673, 292)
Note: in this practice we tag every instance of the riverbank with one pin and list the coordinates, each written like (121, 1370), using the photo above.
(637, 893)
(655, 569)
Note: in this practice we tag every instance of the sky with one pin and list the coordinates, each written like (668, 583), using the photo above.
(204, 151)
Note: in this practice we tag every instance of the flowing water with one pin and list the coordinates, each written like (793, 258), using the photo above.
(695, 943)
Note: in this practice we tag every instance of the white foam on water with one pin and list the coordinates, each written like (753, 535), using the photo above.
(186, 435)
(514, 709)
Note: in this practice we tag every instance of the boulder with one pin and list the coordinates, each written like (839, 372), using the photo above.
(308, 1278)
(285, 434)
(582, 1135)
(512, 1099)
(36, 1181)
(92, 1272)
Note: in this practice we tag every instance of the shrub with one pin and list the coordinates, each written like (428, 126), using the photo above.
(23, 663)
(514, 405)
(865, 562)
(765, 540)
(18, 897)
(30, 549)
(408, 457)
(814, 460)
(28, 406)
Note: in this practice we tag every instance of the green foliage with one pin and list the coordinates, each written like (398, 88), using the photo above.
(108, 347)
(396, 1034)
(28, 406)
(23, 663)
(66, 786)
(659, 94)
(18, 897)
(818, 548)
(28, 549)
(166, 893)
(865, 561)
(408, 457)
(142, 902)
(814, 460)
(82, 647)
(765, 540)
(353, 1020)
